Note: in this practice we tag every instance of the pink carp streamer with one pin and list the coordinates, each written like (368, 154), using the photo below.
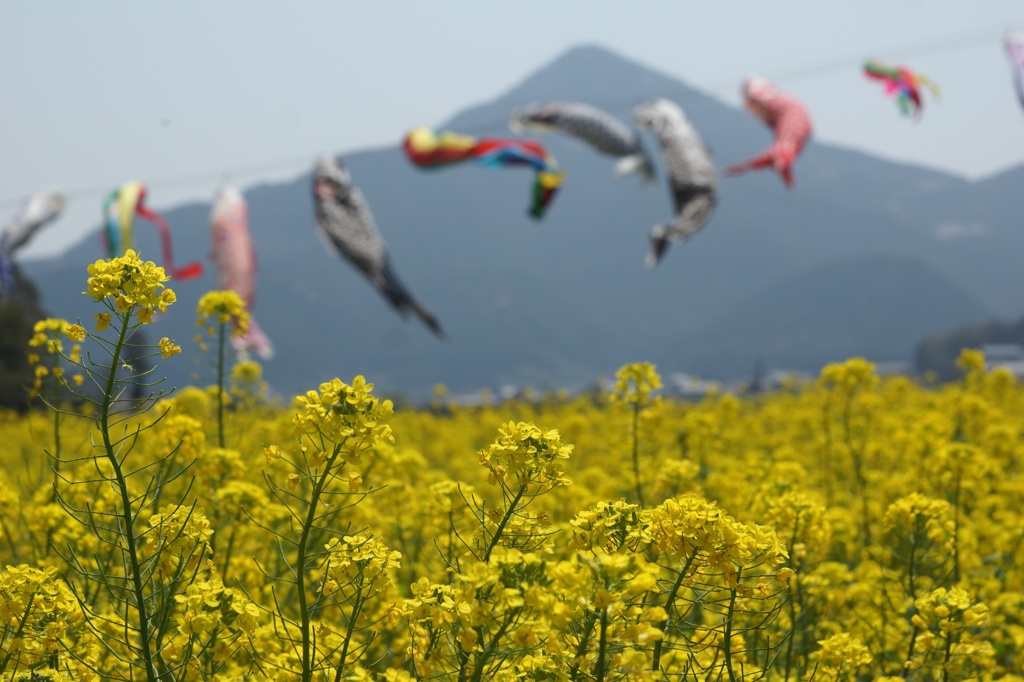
(1015, 52)
(235, 258)
(789, 120)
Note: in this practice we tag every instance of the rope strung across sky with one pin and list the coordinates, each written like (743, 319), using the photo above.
(942, 45)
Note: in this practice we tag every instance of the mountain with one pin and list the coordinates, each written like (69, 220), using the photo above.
(558, 302)
(873, 305)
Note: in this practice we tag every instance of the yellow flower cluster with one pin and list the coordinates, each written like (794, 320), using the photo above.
(46, 336)
(949, 620)
(611, 526)
(850, 375)
(690, 526)
(851, 528)
(128, 283)
(361, 561)
(525, 454)
(179, 536)
(925, 520)
(634, 383)
(168, 348)
(840, 658)
(223, 307)
(971, 361)
(344, 413)
(38, 615)
(209, 605)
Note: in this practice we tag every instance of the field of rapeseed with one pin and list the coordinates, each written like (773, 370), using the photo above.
(852, 528)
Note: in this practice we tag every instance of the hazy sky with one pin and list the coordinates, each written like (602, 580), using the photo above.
(183, 95)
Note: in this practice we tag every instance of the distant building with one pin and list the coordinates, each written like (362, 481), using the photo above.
(1002, 352)
(893, 368)
(689, 386)
(778, 379)
(1008, 356)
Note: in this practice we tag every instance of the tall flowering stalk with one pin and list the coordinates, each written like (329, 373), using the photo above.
(683, 586)
(140, 567)
(222, 308)
(847, 384)
(633, 387)
(485, 622)
(49, 380)
(338, 428)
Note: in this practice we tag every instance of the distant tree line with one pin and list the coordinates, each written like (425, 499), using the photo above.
(939, 353)
(19, 311)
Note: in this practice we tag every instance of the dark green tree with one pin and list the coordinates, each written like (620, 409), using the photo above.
(19, 311)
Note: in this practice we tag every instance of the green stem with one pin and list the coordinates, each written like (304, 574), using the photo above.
(357, 606)
(727, 638)
(602, 646)
(669, 603)
(794, 597)
(826, 458)
(300, 575)
(910, 653)
(56, 446)
(11, 542)
(56, 460)
(220, 385)
(126, 503)
(945, 660)
(581, 648)
(956, 531)
(485, 656)
(17, 635)
(504, 522)
(918, 530)
(227, 553)
(857, 455)
(636, 454)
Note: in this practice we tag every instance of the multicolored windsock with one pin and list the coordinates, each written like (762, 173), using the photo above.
(1015, 51)
(426, 150)
(787, 117)
(599, 129)
(902, 84)
(691, 173)
(344, 221)
(235, 257)
(38, 211)
(119, 211)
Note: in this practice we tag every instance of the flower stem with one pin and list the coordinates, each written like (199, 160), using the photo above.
(669, 603)
(504, 522)
(56, 445)
(636, 454)
(126, 504)
(220, 385)
(300, 574)
(602, 646)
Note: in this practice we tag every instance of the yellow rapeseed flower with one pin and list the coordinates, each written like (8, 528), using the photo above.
(130, 283)
(168, 348)
(223, 307)
(635, 382)
(971, 361)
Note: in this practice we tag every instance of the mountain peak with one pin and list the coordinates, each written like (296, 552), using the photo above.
(587, 73)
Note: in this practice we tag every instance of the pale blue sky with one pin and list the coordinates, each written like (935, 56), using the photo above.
(181, 94)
